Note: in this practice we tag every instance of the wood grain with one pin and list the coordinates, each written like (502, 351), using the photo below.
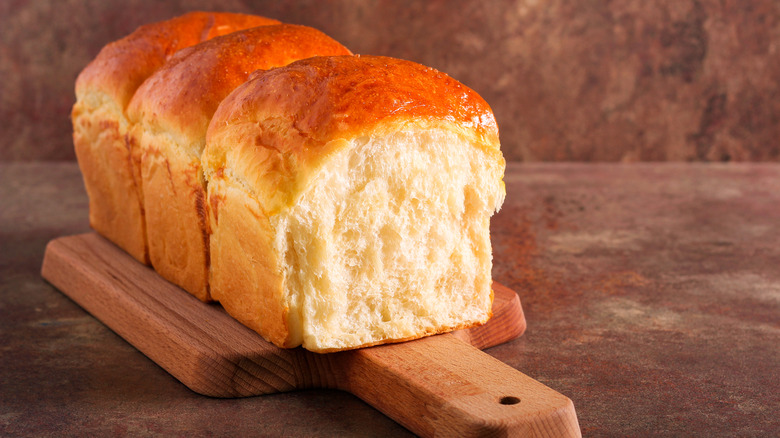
(439, 385)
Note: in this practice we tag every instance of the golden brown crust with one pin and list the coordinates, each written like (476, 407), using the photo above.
(176, 225)
(114, 209)
(300, 113)
(340, 96)
(170, 113)
(121, 66)
(182, 96)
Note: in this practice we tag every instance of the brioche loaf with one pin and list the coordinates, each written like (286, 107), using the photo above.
(169, 115)
(349, 201)
(109, 165)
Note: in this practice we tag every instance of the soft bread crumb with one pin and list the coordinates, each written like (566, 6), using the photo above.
(390, 241)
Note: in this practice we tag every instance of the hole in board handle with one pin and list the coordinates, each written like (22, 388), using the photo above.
(509, 400)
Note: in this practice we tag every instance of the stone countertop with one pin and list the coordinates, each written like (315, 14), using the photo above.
(652, 294)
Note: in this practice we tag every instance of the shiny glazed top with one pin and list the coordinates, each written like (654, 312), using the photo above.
(340, 96)
(121, 66)
(183, 94)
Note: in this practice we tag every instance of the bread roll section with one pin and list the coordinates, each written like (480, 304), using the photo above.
(349, 201)
(169, 115)
(110, 164)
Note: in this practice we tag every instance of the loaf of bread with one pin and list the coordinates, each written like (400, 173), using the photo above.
(168, 118)
(324, 199)
(349, 201)
(109, 164)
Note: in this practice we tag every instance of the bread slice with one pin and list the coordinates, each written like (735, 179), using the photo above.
(169, 115)
(109, 165)
(349, 199)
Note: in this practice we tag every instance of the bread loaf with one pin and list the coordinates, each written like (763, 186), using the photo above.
(169, 115)
(349, 201)
(111, 166)
(335, 202)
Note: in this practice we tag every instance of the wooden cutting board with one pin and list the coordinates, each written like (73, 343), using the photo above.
(437, 386)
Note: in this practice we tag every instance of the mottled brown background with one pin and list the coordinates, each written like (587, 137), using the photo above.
(595, 80)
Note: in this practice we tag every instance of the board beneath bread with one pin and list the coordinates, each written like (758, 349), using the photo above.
(212, 354)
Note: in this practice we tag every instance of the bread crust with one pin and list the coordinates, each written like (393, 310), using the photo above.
(169, 115)
(182, 96)
(110, 163)
(123, 65)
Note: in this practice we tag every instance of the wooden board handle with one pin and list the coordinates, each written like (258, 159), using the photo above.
(441, 386)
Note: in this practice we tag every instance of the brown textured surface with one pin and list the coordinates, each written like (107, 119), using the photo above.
(651, 292)
(600, 80)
